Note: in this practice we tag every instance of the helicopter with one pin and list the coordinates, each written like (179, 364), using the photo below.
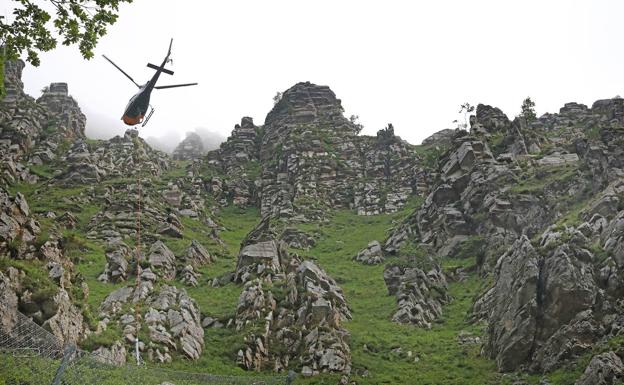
(138, 105)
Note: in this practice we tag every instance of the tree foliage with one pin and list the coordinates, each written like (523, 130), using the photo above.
(528, 110)
(277, 98)
(80, 22)
(464, 109)
(355, 120)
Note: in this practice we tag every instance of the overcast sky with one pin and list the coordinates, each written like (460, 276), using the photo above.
(405, 62)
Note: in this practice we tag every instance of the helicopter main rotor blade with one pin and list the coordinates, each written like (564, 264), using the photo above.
(122, 71)
(176, 85)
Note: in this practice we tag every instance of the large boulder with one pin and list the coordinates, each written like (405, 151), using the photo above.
(539, 308)
(117, 257)
(489, 120)
(67, 324)
(197, 255)
(162, 261)
(512, 304)
(171, 316)
(603, 369)
(8, 305)
(371, 255)
(420, 295)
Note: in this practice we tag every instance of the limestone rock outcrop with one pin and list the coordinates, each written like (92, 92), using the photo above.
(539, 310)
(115, 354)
(371, 255)
(440, 138)
(190, 148)
(197, 255)
(299, 308)
(604, 369)
(63, 110)
(171, 316)
(117, 258)
(18, 229)
(67, 324)
(308, 158)
(162, 261)
(115, 158)
(420, 295)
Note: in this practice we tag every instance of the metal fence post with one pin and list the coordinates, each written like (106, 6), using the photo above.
(69, 352)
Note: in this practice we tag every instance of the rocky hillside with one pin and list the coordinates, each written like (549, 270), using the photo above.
(489, 256)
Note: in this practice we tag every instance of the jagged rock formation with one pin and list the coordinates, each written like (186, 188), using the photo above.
(420, 295)
(63, 110)
(48, 302)
(559, 307)
(440, 138)
(170, 315)
(311, 159)
(467, 187)
(115, 158)
(191, 148)
(162, 261)
(197, 255)
(549, 303)
(188, 276)
(319, 156)
(534, 207)
(371, 255)
(31, 132)
(117, 259)
(17, 228)
(233, 159)
(8, 304)
(67, 323)
(300, 307)
(604, 369)
(116, 354)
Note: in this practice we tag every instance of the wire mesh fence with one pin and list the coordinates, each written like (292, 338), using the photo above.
(30, 355)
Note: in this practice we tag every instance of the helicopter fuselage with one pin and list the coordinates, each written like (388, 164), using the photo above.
(139, 103)
(137, 106)
(136, 110)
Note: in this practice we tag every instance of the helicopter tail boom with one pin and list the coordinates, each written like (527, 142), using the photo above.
(163, 70)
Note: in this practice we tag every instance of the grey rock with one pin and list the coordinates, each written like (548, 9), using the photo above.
(162, 261)
(190, 148)
(188, 276)
(197, 255)
(420, 295)
(558, 160)
(603, 369)
(67, 324)
(371, 255)
(114, 355)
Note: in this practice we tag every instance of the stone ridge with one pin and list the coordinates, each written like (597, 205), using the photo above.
(305, 102)
(32, 131)
(308, 158)
(504, 196)
(191, 148)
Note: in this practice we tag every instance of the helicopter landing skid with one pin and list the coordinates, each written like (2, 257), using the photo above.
(148, 117)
